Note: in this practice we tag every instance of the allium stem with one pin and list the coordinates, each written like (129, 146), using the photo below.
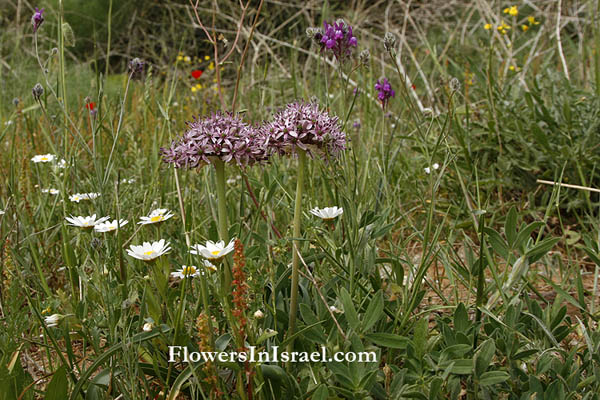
(221, 200)
(296, 244)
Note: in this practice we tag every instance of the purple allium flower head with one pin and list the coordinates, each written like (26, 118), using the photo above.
(37, 19)
(136, 65)
(304, 126)
(337, 38)
(385, 90)
(221, 135)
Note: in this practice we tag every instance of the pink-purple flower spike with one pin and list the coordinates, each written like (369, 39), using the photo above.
(221, 135)
(37, 19)
(337, 38)
(304, 126)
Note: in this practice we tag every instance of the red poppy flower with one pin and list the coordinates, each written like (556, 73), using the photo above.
(197, 73)
(90, 106)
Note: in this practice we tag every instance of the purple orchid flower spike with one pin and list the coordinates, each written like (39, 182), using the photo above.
(336, 38)
(37, 19)
(385, 91)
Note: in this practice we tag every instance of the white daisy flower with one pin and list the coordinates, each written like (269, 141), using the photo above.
(327, 213)
(427, 170)
(213, 251)
(53, 320)
(149, 251)
(209, 266)
(158, 215)
(85, 222)
(110, 226)
(50, 191)
(436, 166)
(43, 158)
(187, 272)
(77, 197)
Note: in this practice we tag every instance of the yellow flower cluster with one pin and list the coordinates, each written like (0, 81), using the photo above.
(532, 21)
(181, 57)
(197, 87)
(512, 11)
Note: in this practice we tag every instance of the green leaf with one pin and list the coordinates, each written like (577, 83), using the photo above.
(321, 393)
(420, 338)
(388, 340)
(59, 385)
(493, 377)
(540, 249)
(510, 226)
(483, 356)
(349, 310)
(461, 318)
(374, 311)
(498, 244)
(525, 234)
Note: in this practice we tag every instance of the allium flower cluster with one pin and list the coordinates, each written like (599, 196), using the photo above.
(337, 38)
(385, 90)
(304, 126)
(221, 135)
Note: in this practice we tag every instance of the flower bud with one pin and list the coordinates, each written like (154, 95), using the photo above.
(389, 41)
(364, 57)
(258, 314)
(37, 91)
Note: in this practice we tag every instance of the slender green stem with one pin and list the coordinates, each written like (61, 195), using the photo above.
(296, 245)
(221, 199)
(108, 40)
(481, 278)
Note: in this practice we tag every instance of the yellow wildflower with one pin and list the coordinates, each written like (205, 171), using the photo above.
(503, 28)
(525, 27)
(514, 68)
(532, 21)
(198, 86)
(206, 58)
(487, 27)
(179, 58)
(194, 89)
(512, 11)
(211, 66)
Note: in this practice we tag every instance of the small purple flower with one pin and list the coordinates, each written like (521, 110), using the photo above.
(304, 126)
(37, 19)
(220, 135)
(385, 91)
(337, 38)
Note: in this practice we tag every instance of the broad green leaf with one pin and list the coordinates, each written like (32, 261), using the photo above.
(420, 338)
(388, 340)
(321, 393)
(59, 385)
(510, 226)
(374, 311)
(461, 318)
(493, 377)
(483, 356)
(349, 310)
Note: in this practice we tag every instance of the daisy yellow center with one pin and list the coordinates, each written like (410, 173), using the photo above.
(156, 218)
(215, 253)
(149, 253)
(189, 270)
(44, 158)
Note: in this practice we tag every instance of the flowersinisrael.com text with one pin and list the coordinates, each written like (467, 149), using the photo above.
(181, 353)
